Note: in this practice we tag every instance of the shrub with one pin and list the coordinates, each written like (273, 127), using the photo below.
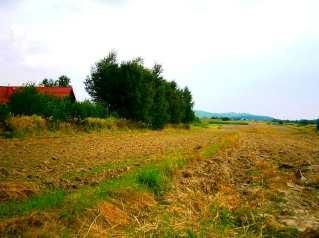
(20, 125)
(58, 109)
(89, 109)
(4, 113)
(27, 101)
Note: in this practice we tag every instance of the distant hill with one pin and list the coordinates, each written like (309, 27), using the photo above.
(233, 115)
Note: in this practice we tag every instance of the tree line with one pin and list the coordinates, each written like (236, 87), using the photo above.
(133, 91)
(127, 90)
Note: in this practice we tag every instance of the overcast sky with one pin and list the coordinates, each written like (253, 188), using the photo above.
(257, 56)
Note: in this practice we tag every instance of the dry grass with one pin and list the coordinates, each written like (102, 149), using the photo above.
(10, 190)
(26, 124)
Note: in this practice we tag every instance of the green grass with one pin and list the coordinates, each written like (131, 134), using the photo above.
(221, 122)
(154, 177)
(151, 179)
(54, 199)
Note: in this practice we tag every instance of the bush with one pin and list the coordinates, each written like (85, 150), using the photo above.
(28, 101)
(225, 119)
(4, 113)
(317, 124)
(58, 109)
(89, 109)
(20, 125)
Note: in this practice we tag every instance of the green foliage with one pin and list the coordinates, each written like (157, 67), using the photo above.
(89, 109)
(37, 202)
(151, 179)
(226, 122)
(4, 113)
(190, 233)
(132, 91)
(62, 81)
(225, 119)
(317, 124)
(28, 101)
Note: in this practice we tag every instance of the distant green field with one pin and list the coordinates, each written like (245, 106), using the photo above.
(216, 121)
(209, 123)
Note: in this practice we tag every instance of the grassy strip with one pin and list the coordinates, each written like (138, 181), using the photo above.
(153, 177)
(12, 208)
(150, 177)
(219, 122)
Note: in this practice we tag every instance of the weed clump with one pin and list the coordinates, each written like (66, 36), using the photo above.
(151, 179)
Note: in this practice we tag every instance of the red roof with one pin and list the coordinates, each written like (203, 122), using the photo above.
(60, 92)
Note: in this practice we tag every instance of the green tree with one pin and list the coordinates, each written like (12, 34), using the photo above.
(63, 81)
(188, 103)
(132, 91)
(104, 83)
(27, 101)
(48, 83)
(159, 111)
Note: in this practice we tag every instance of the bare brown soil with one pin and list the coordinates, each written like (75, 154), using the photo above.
(86, 159)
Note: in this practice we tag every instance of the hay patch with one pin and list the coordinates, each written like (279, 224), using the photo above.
(113, 215)
(16, 190)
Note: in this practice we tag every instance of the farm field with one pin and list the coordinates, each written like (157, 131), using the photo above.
(254, 180)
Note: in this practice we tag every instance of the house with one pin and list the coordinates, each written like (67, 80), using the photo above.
(59, 92)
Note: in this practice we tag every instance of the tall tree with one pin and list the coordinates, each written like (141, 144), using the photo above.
(189, 115)
(132, 91)
(63, 81)
(48, 83)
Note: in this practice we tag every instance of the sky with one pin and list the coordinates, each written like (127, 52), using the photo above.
(255, 56)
